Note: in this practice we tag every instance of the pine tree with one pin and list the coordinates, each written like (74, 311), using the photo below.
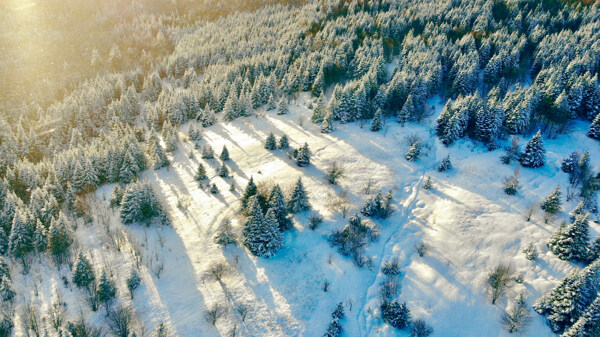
(106, 290)
(20, 239)
(303, 158)
(282, 108)
(588, 324)
(320, 110)
(223, 171)
(250, 191)
(261, 235)
(140, 204)
(552, 203)
(224, 154)
(128, 169)
(283, 142)
(271, 104)
(445, 165)
(327, 125)
(59, 240)
(278, 205)
(207, 152)
(414, 152)
(83, 272)
(159, 155)
(271, 143)
(133, 282)
(378, 206)
(7, 292)
(214, 189)
(376, 125)
(534, 154)
(594, 131)
(572, 242)
(200, 173)
(395, 314)
(299, 200)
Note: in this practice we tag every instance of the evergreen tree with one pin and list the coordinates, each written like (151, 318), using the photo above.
(133, 282)
(534, 154)
(594, 131)
(140, 204)
(3, 242)
(271, 104)
(283, 142)
(445, 165)
(129, 169)
(261, 235)
(223, 171)
(378, 206)
(282, 108)
(396, 314)
(327, 125)
(200, 173)
(414, 152)
(278, 205)
(20, 239)
(552, 203)
(7, 292)
(271, 143)
(224, 154)
(250, 191)
(320, 110)
(299, 200)
(303, 158)
(106, 290)
(83, 272)
(588, 324)
(159, 155)
(207, 152)
(376, 125)
(59, 240)
(214, 189)
(572, 242)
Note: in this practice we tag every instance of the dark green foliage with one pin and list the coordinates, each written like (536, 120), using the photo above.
(116, 196)
(214, 189)
(445, 165)
(83, 273)
(303, 156)
(250, 191)
(299, 199)
(59, 239)
(261, 233)
(335, 327)
(572, 242)
(377, 123)
(223, 171)
(594, 131)
(353, 237)
(106, 290)
(224, 154)
(200, 173)
(270, 143)
(395, 314)
(207, 152)
(7, 292)
(133, 282)
(534, 154)
(414, 151)
(511, 185)
(378, 206)
(552, 203)
(283, 142)
(277, 203)
(140, 205)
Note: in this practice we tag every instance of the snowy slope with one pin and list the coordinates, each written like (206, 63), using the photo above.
(468, 223)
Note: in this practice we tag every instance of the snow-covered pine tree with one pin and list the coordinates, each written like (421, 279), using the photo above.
(327, 125)
(261, 235)
(129, 169)
(376, 125)
(59, 240)
(283, 142)
(271, 104)
(223, 171)
(320, 110)
(282, 107)
(564, 305)
(224, 154)
(140, 204)
(270, 142)
(83, 272)
(40, 237)
(552, 203)
(303, 158)
(395, 314)
(408, 111)
(534, 154)
(214, 189)
(299, 199)
(21, 236)
(7, 291)
(445, 165)
(106, 290)
(278, 205)
(378, 206)
(594, 131)
(207, 152)
(251, 190)
(572, 242)
(158, 155)
(414, 152)
(200, 173)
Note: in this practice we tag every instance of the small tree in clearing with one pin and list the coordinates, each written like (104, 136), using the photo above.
(498, 280)
(334, 172)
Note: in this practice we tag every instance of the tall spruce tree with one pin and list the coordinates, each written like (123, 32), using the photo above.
(83, 272)
(534, 154)
(224, 154)
(277, 204)
(283, 142)
(299, 199)
(320, 110)
(376, 125)
(552, 203)
(250, 191)
(261, 235)
(200, 173)
(21, 236)
(594, 131)
(572, 242)
(303, 158)
(270, 142)
(59, 240)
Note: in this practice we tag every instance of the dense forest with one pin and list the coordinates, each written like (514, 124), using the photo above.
(110, 90)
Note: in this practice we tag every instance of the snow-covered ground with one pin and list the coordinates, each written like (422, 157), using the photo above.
(469, 225)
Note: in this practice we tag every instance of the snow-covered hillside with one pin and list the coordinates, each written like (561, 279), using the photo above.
(467, 222)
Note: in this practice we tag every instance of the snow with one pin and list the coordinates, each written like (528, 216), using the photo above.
(468, 223)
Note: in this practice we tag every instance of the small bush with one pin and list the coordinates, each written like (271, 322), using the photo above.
(334, 172)
(315, 220)
(511, 185)
(498, 280)
(518, 317)
(391, 266)
(421, 249)
(351, 240)
(214, 313)
(420, 329)
(531, 252)
(225, 235)
(395, 314)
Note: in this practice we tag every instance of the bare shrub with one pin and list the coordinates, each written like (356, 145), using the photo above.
(56, 313)
(326, 284)
(30, 318)
(120, 321)
(339, 203)
(421, 249)
(242, 310)
(530, 211)
(498, 280)
(334, 172)
(217, 271)
(315, 220)
(518, 317)
(225, 234)
(213, 314)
